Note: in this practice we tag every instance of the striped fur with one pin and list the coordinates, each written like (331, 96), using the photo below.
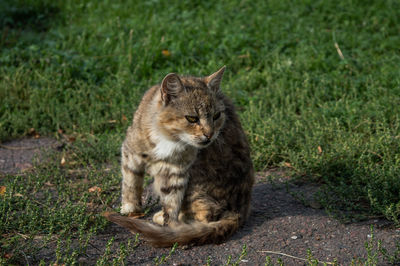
(202, 169)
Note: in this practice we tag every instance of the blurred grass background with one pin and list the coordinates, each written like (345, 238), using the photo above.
(316, 83)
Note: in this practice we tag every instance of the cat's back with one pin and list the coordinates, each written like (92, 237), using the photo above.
(223, 172)
(137, 135)
(228, 158)
(146, 107)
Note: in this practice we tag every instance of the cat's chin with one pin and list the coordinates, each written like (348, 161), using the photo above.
(203, 144)
(199, 145)
(196, 142)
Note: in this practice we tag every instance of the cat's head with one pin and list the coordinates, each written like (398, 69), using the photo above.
(192, 109)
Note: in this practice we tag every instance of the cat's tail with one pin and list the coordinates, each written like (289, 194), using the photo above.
(192, 233)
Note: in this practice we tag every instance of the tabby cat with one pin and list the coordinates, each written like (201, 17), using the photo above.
(186, 134)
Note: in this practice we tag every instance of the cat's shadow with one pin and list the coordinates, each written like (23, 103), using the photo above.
(271, 201)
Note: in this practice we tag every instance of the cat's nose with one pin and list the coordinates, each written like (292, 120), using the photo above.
(208, 135)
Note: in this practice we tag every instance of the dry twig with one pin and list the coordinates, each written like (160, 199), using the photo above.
(339, 51)
(293, 257)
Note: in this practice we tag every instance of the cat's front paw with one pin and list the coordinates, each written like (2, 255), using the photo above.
(127, 208)
(158, 218)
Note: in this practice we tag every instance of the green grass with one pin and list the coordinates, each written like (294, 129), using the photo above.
(329, 113)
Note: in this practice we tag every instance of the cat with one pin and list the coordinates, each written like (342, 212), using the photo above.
(186, 134)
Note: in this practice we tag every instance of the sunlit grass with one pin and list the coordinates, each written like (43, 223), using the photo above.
(316, 85)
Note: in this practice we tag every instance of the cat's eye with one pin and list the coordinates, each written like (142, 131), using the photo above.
(217, 115)
(192, 119)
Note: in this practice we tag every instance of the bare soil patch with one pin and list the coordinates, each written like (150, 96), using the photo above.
(278, 222)
(20, 155)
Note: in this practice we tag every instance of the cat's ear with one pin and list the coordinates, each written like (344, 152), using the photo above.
(171, 86)
(214, 80)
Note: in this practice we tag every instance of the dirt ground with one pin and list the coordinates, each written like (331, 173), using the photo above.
(19, 155)
(278, 223)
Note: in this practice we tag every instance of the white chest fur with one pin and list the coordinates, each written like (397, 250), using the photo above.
(166, 148)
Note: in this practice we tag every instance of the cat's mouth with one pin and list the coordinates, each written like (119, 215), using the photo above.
(199, 143)
(205, 142)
